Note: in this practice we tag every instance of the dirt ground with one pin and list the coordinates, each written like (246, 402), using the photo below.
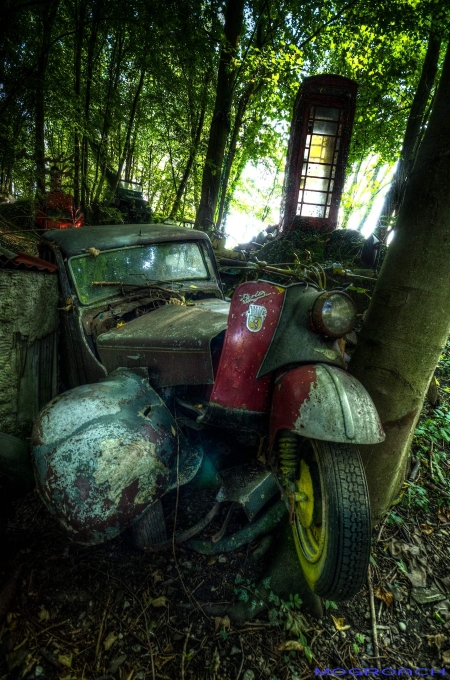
(74, 613)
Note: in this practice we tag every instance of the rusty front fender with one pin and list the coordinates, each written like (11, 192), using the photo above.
(324, 402)
(103, 453)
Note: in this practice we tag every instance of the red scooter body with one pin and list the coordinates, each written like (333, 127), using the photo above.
(266, 379)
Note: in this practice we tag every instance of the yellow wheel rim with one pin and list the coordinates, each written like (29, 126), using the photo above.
(309, 525)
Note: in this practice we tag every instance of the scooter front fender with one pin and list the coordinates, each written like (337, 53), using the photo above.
(319, 401)
(103, 453)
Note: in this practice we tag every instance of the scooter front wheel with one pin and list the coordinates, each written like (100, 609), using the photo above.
(331, 519)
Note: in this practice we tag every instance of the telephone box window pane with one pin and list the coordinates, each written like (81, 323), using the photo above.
(317, 170)
(315, 197)
(322, 149)
(312, 210)
(326, 113)
(316, 184)
(322, 127)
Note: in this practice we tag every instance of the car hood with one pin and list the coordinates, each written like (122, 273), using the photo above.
(173, 342)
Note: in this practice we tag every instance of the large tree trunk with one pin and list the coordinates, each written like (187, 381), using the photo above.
(220, 124)
(407, 322)
(413, 127)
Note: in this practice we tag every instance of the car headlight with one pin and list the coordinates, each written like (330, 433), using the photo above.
(334, 314)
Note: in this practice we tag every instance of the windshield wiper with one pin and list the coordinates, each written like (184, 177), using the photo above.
(152, 282)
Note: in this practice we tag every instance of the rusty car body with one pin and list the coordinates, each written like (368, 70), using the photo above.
(159, 374)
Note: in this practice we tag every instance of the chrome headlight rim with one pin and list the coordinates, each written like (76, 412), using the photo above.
(317, 314)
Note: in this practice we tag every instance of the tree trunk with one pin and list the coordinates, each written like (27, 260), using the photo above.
(241, 109)
(80, 12)
(234, 182)
(220, 123)
(413, 127)
(114, 75)
(47, 21)
(192, 153)
(87, 104)
(407, 323)
(126, 146)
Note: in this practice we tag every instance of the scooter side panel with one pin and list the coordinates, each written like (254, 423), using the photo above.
(324, 402)
(103, 453)
(254, 314)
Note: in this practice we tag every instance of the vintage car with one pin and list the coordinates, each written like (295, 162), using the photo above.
(163, 383)
(129, 199)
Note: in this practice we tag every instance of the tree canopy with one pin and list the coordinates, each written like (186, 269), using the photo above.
(102, 90)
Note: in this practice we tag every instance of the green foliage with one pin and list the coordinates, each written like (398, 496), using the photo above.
(329, 604)
(435, 429)
(124, 90)
(394, 518)
(416, 496)
(285, 614)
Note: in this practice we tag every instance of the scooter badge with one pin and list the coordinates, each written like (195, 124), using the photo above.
(255, 317)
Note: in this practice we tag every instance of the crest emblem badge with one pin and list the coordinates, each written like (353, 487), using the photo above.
(255, 317)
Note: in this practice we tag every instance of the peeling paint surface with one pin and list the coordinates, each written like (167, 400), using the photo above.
(122, 463)
(327, 403)
(103, 453)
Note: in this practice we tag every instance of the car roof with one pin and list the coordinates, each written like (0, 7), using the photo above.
(108, 236)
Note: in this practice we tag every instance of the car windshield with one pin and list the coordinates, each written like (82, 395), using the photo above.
(130, 186)
(162, 262)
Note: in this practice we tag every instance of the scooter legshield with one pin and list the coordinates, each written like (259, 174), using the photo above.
(103, 453)
(324, 402)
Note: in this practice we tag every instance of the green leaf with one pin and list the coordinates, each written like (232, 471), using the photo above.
(274, 598)
(243, 595)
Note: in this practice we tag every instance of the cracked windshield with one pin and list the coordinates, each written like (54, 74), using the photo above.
(163, 262)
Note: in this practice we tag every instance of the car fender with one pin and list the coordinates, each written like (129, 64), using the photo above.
(324, 402)
(103, 453)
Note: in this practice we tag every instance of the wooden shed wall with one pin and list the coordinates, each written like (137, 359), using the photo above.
(28, 348)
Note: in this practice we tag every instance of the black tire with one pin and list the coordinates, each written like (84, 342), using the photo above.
(150, 528)
(334, 550)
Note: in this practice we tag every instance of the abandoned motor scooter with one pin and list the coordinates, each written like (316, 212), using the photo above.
(181, 378)
(282, 373)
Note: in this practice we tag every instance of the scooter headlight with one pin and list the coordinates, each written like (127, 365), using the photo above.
(334, 314)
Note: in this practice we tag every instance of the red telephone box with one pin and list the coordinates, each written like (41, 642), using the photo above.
(318, 151)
